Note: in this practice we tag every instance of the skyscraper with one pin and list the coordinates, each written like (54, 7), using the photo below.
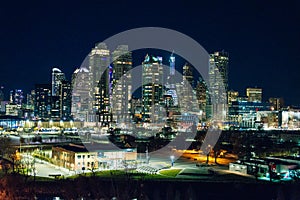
(254, 94)
(42, 103)
(170, 84)
(81, 97)
(30, 100)
(57, 77)
(201, 93)
(218, 84)
(232, 96)
(172, 65)
(121, 84)
(186, 93)
(65, 100)
(188, 74)
(276, 103)
(16, 97)
(99, 64)
(1, 93)
(220, 60)
(152, 89)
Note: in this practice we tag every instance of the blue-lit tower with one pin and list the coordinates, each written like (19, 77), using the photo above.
(172, 65)
(170, 85)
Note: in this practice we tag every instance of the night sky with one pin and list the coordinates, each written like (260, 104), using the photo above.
(262, 37)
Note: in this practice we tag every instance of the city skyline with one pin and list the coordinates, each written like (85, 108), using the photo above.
(26, 89)
(149, 99)
(261, 38)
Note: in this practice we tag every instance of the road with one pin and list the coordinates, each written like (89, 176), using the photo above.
(43, 168)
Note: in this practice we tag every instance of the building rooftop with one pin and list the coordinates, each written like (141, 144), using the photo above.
(73, 147)
(92, 147)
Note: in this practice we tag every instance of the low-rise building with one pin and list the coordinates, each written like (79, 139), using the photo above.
(274, 167)
(79, 157)
(74, 157)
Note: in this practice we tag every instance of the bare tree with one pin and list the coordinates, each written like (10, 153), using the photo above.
(9, 152)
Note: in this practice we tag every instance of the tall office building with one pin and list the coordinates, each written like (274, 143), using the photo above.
(171, 85)
(42, 101)
(55, 107)
(254, 94)
(201, 93)
(219, 61)
(81, 98)
(276, 103)
(57, 78)
(1, 93)
(186, 93)
(99, 67)
(218, 84)
(187, 72)
(152, 89)
(16, 97)
(65, 100)
(121, 84)
(136, 109)
(30, 100)
(232, 96)
(2, 107)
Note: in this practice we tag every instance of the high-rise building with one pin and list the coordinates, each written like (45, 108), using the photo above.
(243, 113)
(220, 61)
(218, 84)
(3, 106)
(152, 89)
(201, 93)
(232, 96)
(30, 100)
(65, 100)
(16, 97)
(81, 98)
(172, 65)
(57, 78)
(136, 109)
(254, 94)
(121, 84)
(99, 64)
(55, 107)
(186, 93)
(12, 109)
(171, 85)
(276, 103)
(42, 103)
(188, 74)
(1, 93)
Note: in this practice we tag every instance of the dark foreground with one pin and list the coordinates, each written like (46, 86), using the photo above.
(16, 187)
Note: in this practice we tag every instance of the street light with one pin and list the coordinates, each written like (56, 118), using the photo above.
(172, 160)
(50, 123)
(39, 124)
(147, 155)
(61, 123)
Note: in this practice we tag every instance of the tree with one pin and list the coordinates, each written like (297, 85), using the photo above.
(7, 151)
(217, 151)
(5, 144)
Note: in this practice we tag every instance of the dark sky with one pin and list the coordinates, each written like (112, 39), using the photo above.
(262, 37)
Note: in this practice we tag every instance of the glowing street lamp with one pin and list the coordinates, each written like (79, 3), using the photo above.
(27, 123)
(172, 160)
(39, 124)
(61, 123)
(50, 123)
